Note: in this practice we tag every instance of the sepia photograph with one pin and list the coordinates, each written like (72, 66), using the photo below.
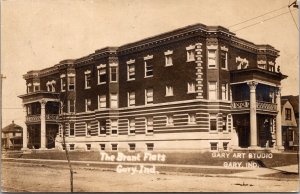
(149, 96)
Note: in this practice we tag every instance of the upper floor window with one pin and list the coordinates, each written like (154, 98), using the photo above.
(113, 100)
(212, 90)
(212, 58)
(190, 53)
(149, 96)
(169, 90)
(131, 98)
(63, 82)
(88, 105)
(148, 66)
(242, 63)
(131, 71)
(170, 120)
(102, 127)
(288, 114)
(51, 86)
(87, 79)
(224, 63)
(114, 127)
(271, 66)
(71, 106)
(131, 130)
(71, 129)
(168, 58)
(224, 91)
(213, 122)
(149, 125)
(113, 74)
(261, 64)
(191, 87)
(36, 87)
(88, 130)
(192, 118)
(101, 101)
(29, 88)
(71, 82)
(102, 77)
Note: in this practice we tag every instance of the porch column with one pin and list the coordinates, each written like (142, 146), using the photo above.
(25, 140)
(253, 122)
(278, 121)
(43, 124)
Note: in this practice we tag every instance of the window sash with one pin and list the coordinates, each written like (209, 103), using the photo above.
(102, 101)
(212, 58)
(190, 55)
(148, 69)
(191, 87)
(72, 129)
(131, 72)
(113, 74)
(131, 98)
(87, 80)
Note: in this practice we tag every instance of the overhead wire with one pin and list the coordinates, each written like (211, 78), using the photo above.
(293, 16)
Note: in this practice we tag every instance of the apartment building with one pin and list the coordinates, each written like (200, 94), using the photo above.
(197, 88)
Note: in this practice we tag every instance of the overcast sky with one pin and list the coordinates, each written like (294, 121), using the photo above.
(39, 33)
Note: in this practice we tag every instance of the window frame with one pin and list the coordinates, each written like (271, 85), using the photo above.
(101, 102)
(216, 146)
(88, 129)
(146, 96)
(147, 126)
(191, 85)
(128, 71)
(100, 69)
(168, 55)
(100, 128)
(113, 70)
(130, 99)
(214, 118)
(69, 127)
(189, 119)
(86, 105)
(113, 100)
(169, 91)
(69, 78)
(215, 90)
(69, 106)
(224, 91)
(288, 114)
(131, 127)
(211, 58)
(190, 51)
(87, 79)
(114, 129)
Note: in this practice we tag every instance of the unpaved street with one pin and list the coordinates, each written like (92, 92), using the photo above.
(54, 178)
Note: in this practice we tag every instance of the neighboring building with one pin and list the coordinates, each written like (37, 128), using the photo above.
(195, 88)
(290, 122)
(12, 137)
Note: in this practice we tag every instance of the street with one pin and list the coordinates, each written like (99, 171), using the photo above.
(28, 177)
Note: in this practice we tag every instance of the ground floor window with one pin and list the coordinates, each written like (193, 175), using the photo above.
(150, 146)
(88, 146)
(225, 145)
(114, 147)
(132, 146)
(102, 146)
(72, 146)
(213, 146)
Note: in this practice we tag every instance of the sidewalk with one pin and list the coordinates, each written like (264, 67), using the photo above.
(256, 173)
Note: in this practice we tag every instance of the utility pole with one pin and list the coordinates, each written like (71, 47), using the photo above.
(1, 77)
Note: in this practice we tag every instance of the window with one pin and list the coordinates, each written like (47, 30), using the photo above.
(168, 57)
(213, 146)
(224, 91)
(101, 101)
(36, 87)
(29, 109)
(169, 91)
(213, 122)
(51, 86)
(71, 129)
(148, 69)
(131, 130)
(271, 68)
(72, 146)
(191, 87)
(229, 123)
(242, 63)
(212, 90)
(63, 83)
(114, 147)
(212, 54)
(192, 118)
(224, 62)
(102, 77)
(88, 146)
(131, 98)
(114, 127)
(102, 128)
(224, 123)
(261, 66)
(225, 145)
(87, 79)
(71, 83)
(288, 114)
(102, 146)
(29, 88)
(150, 146)
(190, 53)
(71, 106)
(170, 120)
(130, 72)
(149, 125)
(88, 105)
(88, 130)
(113, 74)
(149, 96)
(131, 146)
(113, 100)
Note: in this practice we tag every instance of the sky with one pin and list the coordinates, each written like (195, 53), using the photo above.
(37, 34)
